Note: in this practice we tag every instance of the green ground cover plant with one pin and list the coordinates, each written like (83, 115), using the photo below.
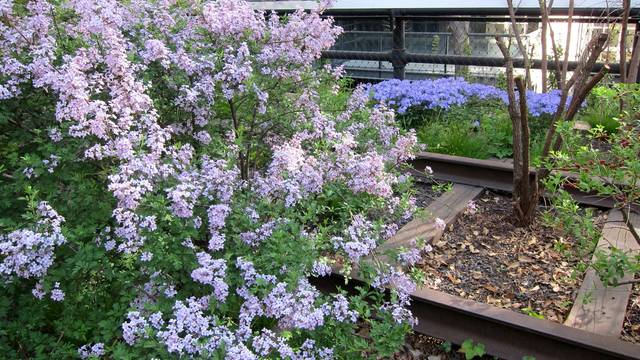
(456, 117)
(608, 103)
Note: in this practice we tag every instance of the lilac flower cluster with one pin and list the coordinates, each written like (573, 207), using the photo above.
(292, 173)
(191, 332)
(403, 286)
(444, 93)
(296, 173)
(86, 351)
(212, 272)
(360, 239)
(254, 238)
(189, 170)
(29, 253)
(320, 268)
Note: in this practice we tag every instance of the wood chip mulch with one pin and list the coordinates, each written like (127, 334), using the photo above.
(486, 258)
(631, 328)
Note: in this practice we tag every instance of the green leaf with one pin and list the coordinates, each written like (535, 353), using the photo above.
(471, 350)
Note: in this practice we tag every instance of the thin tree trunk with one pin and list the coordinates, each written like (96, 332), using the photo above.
(525, 192)
(579, 77)
(458, 41)
(521, 48)
(632, 73)
(554, 48)
(528, 188)
(582, 85)
(623, 41)
(565, 64)
(543, 43)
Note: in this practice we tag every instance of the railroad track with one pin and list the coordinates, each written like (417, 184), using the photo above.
(491, 174)
(505, 333)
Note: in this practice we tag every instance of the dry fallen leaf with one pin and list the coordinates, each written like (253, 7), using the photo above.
(513, 265)
(453, 279)
(490, 287)
(525, 259)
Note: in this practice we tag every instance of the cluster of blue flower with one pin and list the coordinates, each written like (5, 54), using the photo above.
(444, 93)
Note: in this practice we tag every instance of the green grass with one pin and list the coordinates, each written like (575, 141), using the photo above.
(607, 119)
(453, 132)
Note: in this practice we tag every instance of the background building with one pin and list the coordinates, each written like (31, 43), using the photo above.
(464, 28)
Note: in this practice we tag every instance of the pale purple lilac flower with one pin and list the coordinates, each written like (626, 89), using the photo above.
(320, 269)
(29, 254)
(56, 293)
(472, 207)
(38, 291)
(86, 351)
(212, 272)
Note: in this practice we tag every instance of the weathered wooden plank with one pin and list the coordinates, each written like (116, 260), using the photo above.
(447, 207)
(601, 309)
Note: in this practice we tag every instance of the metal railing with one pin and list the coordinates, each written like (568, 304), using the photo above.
(422, 48)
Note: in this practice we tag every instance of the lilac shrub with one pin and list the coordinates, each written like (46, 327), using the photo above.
(444, 93)
(197, 182)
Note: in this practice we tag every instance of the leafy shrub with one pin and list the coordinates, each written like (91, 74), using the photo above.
(456, 117)
(478, 131)
(611, 172)
(170, 179)
(607, 103)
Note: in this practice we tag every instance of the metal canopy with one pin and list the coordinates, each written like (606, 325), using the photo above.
(452, 7)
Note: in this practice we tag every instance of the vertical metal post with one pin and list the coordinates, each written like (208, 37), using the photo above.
(446, 50)
(398, 52)
(636, 38)
(380, 36)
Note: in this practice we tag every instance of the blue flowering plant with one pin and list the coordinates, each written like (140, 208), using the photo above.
(170, 181)
(444, 93)
(454, 116)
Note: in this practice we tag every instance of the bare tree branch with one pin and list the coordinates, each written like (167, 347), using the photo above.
(543, 41)
(565, 64)
(632, 72)
(521, 48)
(623, 40)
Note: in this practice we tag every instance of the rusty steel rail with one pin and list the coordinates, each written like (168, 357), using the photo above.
(492, 174)
(505, 333)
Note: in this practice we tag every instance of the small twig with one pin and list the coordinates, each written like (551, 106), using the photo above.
(634, 281)
(627, 221)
